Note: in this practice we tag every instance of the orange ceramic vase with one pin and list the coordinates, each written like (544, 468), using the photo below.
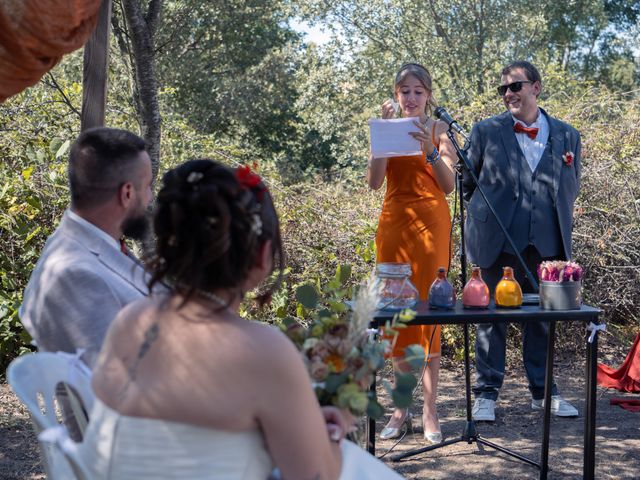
(476, 292)
(508, 292)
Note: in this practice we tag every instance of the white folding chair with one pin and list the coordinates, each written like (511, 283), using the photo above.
(35, 378)
(64, 452)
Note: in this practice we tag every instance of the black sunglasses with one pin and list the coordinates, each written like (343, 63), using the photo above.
(514, 87)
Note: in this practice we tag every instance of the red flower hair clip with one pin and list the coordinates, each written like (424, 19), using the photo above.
(568, 158)
(249, 180)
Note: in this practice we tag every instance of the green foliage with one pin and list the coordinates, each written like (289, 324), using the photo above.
(236, 70)
(27, 217)
(402, 394)
(466, 42)
(307, 296)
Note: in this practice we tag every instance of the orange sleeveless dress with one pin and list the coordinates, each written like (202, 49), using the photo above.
(414, 228)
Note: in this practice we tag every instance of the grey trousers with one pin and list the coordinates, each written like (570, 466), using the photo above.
(491, 338)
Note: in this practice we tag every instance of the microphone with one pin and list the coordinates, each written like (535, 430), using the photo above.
(443, 115)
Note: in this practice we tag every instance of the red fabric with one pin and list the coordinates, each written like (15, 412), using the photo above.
(627, 377)
(34, 34)
(531, 132)
(627, 403)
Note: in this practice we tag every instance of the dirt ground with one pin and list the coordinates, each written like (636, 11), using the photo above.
(19, 456)
(517, 427)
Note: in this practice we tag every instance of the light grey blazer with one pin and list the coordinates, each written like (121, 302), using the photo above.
(76, 289)
(494, 153)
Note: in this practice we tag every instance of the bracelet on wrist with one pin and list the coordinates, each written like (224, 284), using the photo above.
(433, 157)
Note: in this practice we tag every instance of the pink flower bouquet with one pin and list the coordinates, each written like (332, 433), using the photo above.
(559, 271)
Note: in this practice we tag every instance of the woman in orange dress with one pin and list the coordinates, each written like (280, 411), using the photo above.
(415, 225)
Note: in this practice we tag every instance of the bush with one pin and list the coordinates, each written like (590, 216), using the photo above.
(327, 224)
(34, 193)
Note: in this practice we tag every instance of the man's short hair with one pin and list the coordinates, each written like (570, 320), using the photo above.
(530, 71)
(101, 160)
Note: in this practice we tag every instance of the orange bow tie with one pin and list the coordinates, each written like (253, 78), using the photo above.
(532, 133)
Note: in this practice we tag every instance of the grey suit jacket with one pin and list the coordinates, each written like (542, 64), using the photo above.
(493, 152)
(76, 289)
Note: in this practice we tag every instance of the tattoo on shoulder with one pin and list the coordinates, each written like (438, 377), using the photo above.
(150, 336)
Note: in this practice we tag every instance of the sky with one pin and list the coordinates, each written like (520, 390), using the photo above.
(313, 34)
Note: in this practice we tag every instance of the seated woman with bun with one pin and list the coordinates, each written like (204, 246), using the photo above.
(186, 388)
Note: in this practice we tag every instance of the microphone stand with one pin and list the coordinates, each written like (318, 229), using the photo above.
(470, 433)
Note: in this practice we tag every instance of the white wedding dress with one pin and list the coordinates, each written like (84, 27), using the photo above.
(120, 447)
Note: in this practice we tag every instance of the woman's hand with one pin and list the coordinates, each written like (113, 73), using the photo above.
(423, 135)
(337, 425)
(388, 109)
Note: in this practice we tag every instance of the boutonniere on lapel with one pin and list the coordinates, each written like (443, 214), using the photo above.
(567, 158)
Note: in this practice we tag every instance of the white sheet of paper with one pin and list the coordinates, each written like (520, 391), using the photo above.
(390, 138)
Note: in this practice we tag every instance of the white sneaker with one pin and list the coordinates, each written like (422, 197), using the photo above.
(484, 410)
(559, 406)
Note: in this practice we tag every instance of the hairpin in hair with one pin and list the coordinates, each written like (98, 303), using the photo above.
(256, 224)
(194, 177)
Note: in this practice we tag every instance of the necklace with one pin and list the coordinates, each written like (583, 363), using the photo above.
(221, 302)
(225, 306)
(212, 296)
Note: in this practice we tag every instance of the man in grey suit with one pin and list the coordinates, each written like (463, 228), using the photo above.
(528, 164)
(85, 274)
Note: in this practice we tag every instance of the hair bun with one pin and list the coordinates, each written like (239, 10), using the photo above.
(210, 225)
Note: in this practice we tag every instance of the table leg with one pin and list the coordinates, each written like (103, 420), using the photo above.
(371, 426)
(590, 409)
(548, 382)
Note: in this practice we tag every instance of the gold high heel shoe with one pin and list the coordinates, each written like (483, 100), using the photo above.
(433, 437)
(389, 433)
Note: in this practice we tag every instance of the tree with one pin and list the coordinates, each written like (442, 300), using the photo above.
(228, 65)
(137, 40)
(465, 42)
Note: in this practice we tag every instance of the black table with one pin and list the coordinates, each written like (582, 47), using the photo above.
(462, 316)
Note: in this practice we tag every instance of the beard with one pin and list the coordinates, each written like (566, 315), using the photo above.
(136, 227)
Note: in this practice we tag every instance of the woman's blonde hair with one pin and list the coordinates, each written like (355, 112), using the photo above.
(423, 75)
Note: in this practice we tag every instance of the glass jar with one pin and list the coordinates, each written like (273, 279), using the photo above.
(442, 294)
(394, 288)
(508, 292)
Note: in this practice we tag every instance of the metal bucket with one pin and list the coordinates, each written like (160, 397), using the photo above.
(560, 295)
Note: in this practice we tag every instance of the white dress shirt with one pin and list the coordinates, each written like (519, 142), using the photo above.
(533, 148)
